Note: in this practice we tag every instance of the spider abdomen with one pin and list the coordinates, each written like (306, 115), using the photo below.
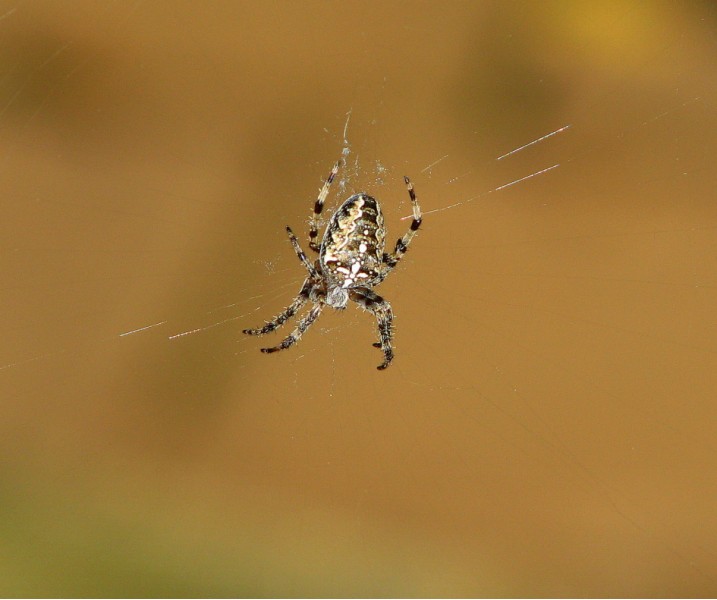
(352, 247)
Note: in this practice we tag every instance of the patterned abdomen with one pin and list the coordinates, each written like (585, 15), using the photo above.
(352, 247)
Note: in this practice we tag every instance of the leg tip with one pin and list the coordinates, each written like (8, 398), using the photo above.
(385, 363)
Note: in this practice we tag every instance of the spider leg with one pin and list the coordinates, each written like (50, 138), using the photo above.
(301, 327)
(381, 309)
(300, 253)
(391, 260)
(301, 299)
(319, 206)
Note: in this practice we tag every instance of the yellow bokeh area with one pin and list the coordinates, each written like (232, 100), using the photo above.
(548, 425)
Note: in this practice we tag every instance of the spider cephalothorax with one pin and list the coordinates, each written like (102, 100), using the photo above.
(351, 262)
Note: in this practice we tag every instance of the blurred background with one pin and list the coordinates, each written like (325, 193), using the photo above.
(548, 425)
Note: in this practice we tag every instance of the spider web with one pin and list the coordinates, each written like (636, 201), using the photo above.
(547, 425)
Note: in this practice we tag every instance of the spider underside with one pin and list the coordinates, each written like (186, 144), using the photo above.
(351, 262)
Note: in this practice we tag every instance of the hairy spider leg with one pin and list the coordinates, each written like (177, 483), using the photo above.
(381, 309)
(319, 206)
(391, 260)
(300, 253)
(301, 299)
(301, 327)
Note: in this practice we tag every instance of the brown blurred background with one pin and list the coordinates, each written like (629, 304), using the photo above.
(548, 425)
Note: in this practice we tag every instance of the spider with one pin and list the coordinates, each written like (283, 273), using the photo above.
(351, 262)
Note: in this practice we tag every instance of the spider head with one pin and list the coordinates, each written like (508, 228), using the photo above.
(337, 297)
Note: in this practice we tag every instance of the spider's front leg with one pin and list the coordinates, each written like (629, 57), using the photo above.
(301, 327)
(381, 309)
(286, 314)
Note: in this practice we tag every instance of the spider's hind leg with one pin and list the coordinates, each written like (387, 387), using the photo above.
(300, 253)
(319, 207)
(391, 260)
